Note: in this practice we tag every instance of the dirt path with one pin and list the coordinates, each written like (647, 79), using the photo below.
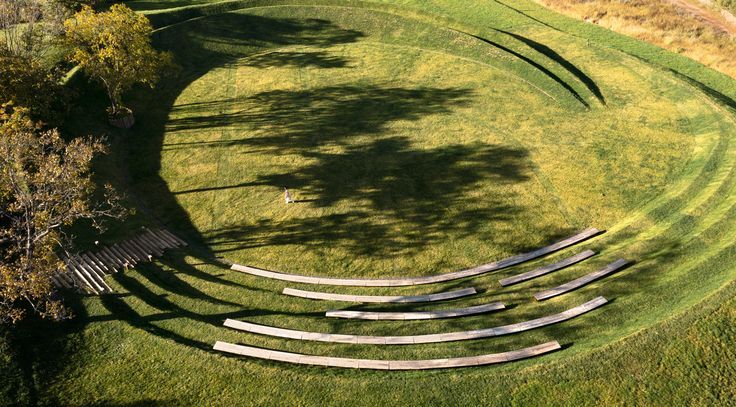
(720, 22)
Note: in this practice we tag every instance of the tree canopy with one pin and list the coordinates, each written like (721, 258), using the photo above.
(115, 48)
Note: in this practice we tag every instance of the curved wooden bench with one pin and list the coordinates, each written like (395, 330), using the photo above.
(547, 269)
(302, 359)
(403, 316)
(577, 283)
(415, 339)
(314, 295)
(399, 282)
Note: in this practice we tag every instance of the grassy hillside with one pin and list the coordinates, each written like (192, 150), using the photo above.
(417, 145)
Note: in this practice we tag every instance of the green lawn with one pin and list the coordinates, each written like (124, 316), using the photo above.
(416, 145)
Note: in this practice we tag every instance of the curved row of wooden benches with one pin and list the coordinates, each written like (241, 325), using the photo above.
(399, 299)
(571, 313)
(404, 316)
(327, 361)
(399, 282)
(417, 339)
(543, 295)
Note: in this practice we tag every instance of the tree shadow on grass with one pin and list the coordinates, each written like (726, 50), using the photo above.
(295, 121)
(426, 194)
(410, 184)
(301, 59)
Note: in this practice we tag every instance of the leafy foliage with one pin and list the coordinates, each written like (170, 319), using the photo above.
(25, 82)
(44, 185)
(115, 47)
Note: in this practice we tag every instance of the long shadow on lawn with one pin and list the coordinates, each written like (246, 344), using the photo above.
(569, 66)
(410, 184)
(396, 179)
(422, 188)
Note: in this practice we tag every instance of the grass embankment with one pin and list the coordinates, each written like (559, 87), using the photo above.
(416, 149)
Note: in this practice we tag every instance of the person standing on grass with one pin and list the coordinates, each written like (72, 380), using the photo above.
(287, 196)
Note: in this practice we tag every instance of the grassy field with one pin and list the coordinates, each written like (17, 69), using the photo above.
(415, 144)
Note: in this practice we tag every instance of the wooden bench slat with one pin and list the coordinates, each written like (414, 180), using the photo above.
(415, 339)
(379, 298)
(547, 269)
(297, 358)
(399, 282)
(579, 282)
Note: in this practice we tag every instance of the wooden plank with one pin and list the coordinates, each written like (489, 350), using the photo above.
(134, 250)
(154, 243)
(166, 242)
(147, 255)
(379, 298)
(399, 282)
(83, 276)
(91, 265)
(171, 243)
(415, 339)
(175, 237)
(161, 243)
(101, 263)
(81, 282)
(65, 279)
(402, 316)
(60, 282)
(111, 263)
(120, 262)
(76, 281)
(152, 240)
(547, 269)
(577, 283)
(117, 249)
(148, 246)
(96, 272)
(297, 358)
(130, 251)
(82, 272)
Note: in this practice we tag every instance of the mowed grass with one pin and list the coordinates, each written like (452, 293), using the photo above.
(410, 157)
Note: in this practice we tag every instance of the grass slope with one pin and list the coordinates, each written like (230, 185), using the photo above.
(419, 149)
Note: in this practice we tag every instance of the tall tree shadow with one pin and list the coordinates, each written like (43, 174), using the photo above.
(426, 194)
(411, 185)
(297, 121)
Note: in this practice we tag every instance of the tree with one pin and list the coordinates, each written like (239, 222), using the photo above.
(115, 48)
(25, 82)
(45, 185)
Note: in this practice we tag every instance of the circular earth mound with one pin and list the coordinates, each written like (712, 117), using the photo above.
(417, 145)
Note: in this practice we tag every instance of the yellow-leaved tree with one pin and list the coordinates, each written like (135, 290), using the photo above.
(115, 48)
(45, 186)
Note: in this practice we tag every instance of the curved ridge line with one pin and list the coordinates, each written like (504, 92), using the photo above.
(533, 63)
